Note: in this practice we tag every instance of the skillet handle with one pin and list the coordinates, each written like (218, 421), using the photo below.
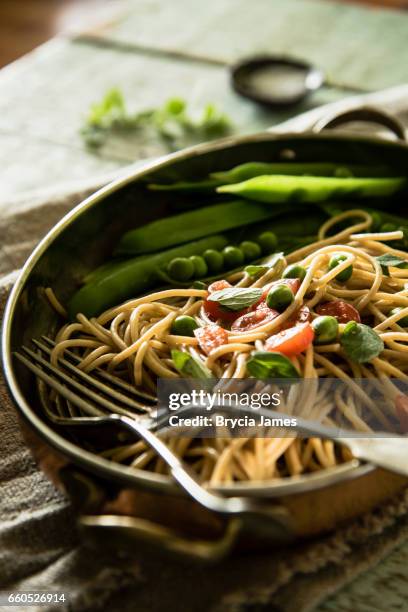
(134, 532)
(99, 525)
(365, 114)
(122, 519)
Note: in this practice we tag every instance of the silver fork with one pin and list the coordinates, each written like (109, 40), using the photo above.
(385, 450)
(85, 392)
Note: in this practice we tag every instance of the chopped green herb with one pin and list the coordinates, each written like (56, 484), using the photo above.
(236, 298)
(265, 364)
(360, 342)
(388, 260)
(171, 121)
(257, 270)
(187, 365)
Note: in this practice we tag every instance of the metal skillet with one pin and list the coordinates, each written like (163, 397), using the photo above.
(118, 504)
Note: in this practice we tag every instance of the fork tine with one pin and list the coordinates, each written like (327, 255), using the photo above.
(86, 406)
(58, 406)
(110, 378)
(98, 399)
(94, 382)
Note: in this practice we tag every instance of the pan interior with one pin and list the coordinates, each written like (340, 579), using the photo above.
(85, 239)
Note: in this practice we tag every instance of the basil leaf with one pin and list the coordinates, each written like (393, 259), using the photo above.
(187, 365)
(388, 259)
(257, 270)
(236, 298)
(360, 342)
(265, 364)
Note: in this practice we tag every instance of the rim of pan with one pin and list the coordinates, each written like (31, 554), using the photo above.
(104, 467)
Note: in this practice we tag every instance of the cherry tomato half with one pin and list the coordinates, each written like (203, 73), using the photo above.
(218, 285)
(291, 341)
(210, 337)
(341, 310)
(250, 320)
(303, 315)
(213, 310)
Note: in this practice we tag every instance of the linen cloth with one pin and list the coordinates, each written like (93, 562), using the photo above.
(40, 547)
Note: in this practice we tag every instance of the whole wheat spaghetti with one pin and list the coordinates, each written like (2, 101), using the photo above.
(134, 341)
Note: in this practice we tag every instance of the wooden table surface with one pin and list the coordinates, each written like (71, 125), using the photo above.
(153, 49)
(27, 23)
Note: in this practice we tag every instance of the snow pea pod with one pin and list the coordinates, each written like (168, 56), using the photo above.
(191, 225)
(116, 282)
(249, 170)
(243, 172)
(279, 189)
(292, 224)
(206, 185)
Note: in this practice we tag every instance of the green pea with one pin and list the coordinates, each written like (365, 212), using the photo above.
(326, 329)
(335, 260)
(233, 257)
(250, 249)
(294, 271)
(200, 266)
(388, 227)
(268, 242)
(184, 326)
(280, 297)
(181, 268)
(214, 260)
(403, 321)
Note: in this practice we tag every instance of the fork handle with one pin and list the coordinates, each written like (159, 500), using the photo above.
(256, 515)
(389, 453)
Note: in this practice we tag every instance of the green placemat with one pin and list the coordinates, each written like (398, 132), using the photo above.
(363, 47)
